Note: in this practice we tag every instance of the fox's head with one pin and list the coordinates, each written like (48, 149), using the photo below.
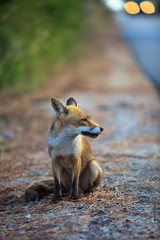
(74, 120)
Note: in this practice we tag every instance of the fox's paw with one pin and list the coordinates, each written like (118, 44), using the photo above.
(74, 197)
(88, 191)
(57, 199)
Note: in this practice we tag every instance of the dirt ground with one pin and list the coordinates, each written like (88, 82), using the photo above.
(107, 84)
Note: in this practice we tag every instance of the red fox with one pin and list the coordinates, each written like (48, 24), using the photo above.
(74, 168)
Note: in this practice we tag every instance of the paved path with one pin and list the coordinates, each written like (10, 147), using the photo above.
(143, 35)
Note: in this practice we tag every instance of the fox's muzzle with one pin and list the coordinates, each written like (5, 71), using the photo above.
(92, 132)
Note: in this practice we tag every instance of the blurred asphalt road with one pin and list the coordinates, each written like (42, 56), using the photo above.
(143, 35)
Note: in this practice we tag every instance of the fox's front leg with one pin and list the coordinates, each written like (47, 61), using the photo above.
(57, 182)
(75, 179)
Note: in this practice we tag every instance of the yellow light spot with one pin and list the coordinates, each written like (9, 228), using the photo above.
(132, 7)
(147, 7)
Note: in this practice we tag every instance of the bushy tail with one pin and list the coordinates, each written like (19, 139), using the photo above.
(39, 189)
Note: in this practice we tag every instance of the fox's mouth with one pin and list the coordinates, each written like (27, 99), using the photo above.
(88, 134)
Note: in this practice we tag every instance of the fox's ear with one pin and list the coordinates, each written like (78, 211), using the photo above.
(59, 108)
(71, 101)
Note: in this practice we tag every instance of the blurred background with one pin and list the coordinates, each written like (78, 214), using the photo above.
(106, 55)
(39, 39)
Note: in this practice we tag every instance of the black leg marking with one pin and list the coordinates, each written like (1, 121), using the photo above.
(57, 192)
(74, 194)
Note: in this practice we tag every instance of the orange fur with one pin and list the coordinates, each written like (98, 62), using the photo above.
(71, 159)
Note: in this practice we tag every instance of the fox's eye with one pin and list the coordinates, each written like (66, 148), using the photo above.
(84, 119)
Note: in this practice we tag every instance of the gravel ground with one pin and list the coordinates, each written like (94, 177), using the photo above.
(109, 86)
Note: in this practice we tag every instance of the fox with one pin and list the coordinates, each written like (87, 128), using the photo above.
(75, 170)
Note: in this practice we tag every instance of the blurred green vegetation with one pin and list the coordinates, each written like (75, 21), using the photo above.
(157, 5)
(37, 36)
(34, 35)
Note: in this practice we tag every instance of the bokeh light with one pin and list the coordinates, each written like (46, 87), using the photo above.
(114, 5)
(147, 7)
(132, 7)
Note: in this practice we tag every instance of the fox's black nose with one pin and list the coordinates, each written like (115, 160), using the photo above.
(101, 129)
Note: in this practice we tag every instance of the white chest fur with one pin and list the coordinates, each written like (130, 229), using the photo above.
(65, 145)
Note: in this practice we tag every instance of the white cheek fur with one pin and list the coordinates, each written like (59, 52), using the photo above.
(69, 133)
